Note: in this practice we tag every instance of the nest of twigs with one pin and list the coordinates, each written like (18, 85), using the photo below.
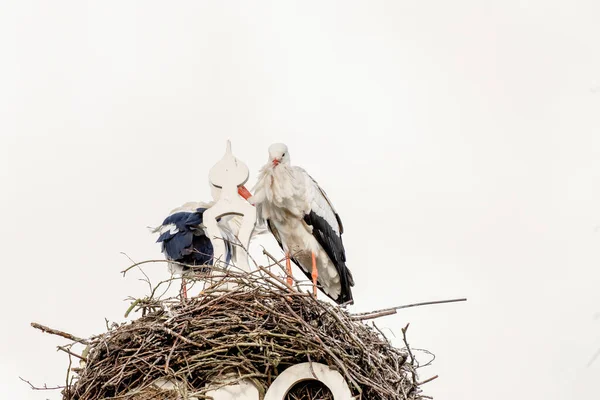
(252, 331)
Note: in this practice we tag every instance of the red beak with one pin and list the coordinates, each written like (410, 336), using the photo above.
(245, 193)
(276, 162)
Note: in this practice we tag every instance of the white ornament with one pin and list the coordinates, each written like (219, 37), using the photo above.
(309, 371)
(225, 177)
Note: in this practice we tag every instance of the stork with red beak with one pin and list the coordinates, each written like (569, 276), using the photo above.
(303, 221)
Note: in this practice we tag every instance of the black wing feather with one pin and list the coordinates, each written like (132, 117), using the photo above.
(334, 247)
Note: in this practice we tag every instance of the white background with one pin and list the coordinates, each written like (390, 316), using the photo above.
(459, 141)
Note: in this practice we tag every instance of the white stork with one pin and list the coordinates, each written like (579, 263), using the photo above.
(302, 219)
(184, 239)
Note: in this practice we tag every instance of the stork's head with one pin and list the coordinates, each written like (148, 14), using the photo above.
(278, 154)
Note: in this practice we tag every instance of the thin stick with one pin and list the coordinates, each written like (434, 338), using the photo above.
(41, 388)
(393, 310)
(172, 350)
(412, 357)
(132, 306)
(266, 253)
(58, 333)
(283, 285)
(71, 353)
(427, 380)
(67, 391)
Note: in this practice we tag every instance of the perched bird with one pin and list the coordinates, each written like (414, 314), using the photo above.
(184, 240)
(302, 219)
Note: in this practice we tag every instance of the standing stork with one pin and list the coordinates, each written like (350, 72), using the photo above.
(185, 241)
(303, 221)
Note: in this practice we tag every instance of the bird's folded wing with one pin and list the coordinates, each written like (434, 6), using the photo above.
(320, 204)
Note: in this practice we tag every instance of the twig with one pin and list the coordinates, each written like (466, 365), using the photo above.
(266, 253)
(412, 359)
(132, 306)
(172, 350)
(59, 333)
(41, 388)
(67, 391)
(284, 286)
(427, 380)
(61, 348)
(393, 310)
(147, 280)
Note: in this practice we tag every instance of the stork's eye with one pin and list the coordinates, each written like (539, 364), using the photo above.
(283, 155)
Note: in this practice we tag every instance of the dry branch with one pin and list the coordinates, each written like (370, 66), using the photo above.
(58, 333)
(45, 387)
(393, 310)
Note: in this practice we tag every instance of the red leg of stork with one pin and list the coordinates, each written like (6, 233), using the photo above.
(288, 269)
(315, 274)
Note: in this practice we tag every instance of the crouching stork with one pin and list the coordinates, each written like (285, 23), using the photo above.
(185, 242)
(303, 221)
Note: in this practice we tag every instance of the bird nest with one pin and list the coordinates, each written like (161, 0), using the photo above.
(250, 326)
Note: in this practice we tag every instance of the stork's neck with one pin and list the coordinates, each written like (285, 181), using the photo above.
(281, 190)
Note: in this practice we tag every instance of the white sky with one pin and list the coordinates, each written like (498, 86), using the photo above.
(459, 141)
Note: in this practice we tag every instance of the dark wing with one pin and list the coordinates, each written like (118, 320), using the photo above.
(183, 239)
(327, 229)
(331, 242)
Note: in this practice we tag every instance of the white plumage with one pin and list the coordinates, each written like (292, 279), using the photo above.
(304, 222)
